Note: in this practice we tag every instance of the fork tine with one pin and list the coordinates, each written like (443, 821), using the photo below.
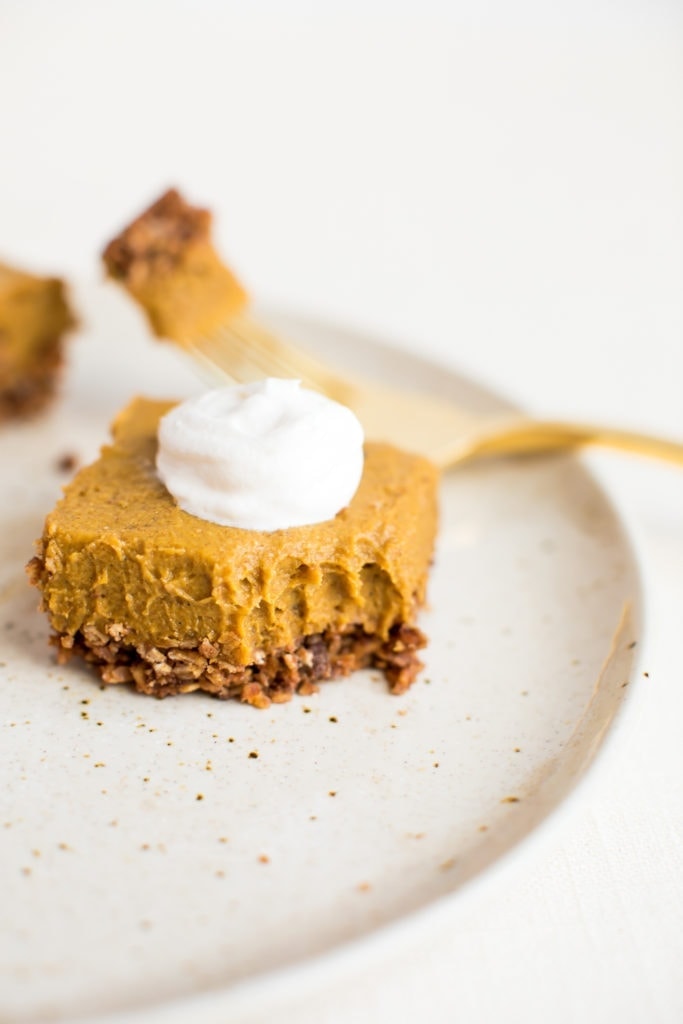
(239, 358)
(271, 354)
(257, 352)
(292, 361)
(210, 359)
(244, 351)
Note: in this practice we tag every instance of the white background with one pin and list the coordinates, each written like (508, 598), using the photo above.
(500, 186)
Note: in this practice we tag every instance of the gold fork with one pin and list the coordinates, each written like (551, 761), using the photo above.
(242, 349)
(166, 261)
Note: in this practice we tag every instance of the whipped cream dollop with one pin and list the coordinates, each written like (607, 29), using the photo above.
(261, 456)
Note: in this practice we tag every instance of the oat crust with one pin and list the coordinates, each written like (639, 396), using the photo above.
(280, 674)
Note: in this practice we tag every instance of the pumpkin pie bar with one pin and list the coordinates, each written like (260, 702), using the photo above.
(155, 597)
(166, 261)
(34, 317)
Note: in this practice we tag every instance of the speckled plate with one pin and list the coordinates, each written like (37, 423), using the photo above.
(162, 859)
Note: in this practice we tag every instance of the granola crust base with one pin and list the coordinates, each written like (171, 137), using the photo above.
(280, 674)
(23, 398)
(157, 240)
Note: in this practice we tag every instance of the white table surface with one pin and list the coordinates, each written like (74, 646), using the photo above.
(503, 192)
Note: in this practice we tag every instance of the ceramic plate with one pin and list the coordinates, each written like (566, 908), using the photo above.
(161, 857)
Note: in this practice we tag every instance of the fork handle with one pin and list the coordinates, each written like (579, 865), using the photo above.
(523, 436)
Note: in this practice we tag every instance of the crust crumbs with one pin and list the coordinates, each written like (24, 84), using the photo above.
(319, 656)
(156, 240)
(25, 398)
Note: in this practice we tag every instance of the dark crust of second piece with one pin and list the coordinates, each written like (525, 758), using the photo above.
(155, 242)
(31, 394)
(282, 673)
